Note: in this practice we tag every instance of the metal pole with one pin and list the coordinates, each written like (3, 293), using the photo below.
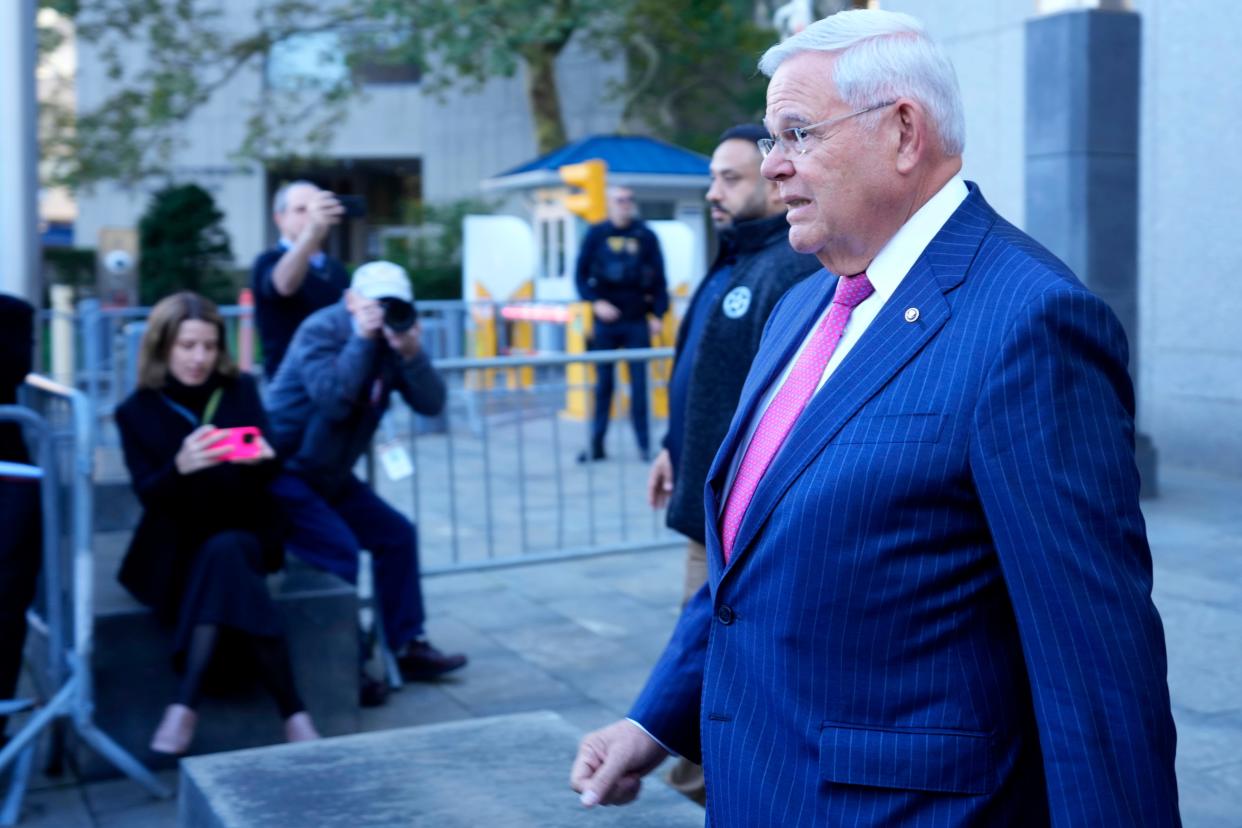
(452, 473)
(487, 479)
(19, 203)
(590, 464)
(521, 475)
(560, 474)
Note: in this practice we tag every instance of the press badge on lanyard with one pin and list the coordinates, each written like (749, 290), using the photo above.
(393, 456)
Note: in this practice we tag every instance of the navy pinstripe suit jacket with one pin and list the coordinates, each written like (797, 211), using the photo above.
(938, 611)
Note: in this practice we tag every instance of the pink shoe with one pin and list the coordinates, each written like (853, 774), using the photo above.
(300, 728)
(176, 730)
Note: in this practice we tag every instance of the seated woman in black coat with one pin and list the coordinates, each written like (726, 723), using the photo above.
(208, 534)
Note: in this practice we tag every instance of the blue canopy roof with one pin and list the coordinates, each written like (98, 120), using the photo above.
(623, 154)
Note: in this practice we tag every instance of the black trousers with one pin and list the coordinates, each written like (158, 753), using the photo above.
(20, 555)
(609, 336)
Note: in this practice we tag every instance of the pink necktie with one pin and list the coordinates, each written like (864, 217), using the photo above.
(788, 403)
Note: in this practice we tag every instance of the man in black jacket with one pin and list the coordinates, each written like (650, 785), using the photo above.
(715, 346)
(621, 273)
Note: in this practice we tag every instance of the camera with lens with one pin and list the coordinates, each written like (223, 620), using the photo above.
(399, 315)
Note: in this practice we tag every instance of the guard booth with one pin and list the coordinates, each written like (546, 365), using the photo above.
(532, 258)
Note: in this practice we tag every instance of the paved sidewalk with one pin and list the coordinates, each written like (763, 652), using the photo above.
(578, 637)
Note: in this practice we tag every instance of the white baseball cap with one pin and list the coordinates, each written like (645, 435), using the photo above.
(382, 280)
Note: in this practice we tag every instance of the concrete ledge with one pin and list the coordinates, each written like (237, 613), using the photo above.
(510, 771)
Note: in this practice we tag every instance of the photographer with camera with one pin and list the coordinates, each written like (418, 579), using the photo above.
(296, 277)
(325, 405)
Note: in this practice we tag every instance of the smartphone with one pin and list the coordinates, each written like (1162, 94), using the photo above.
(243, 442)
(355, 205)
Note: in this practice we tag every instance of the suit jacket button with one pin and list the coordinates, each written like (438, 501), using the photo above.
(725, 614)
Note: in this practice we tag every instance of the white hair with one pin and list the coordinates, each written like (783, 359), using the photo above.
(281, 200)
(883, 55)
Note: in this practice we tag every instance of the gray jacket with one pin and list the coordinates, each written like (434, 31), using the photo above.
(764, 267)
(332, 391)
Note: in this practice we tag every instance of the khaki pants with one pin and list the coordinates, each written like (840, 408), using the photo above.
(686, 777)
(696, 570)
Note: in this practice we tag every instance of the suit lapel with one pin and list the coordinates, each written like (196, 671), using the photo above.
(767, 367)
(769, 363)
(888, 344)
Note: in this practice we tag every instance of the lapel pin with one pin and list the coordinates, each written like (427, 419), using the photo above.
(912, 314)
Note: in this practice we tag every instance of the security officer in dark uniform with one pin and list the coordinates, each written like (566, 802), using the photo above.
(621, 273)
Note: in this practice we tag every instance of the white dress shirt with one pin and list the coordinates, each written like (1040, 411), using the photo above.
(885, 273)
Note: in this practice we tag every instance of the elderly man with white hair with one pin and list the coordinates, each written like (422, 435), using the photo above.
(929, 583)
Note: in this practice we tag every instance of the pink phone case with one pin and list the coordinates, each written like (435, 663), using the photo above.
(243, 442)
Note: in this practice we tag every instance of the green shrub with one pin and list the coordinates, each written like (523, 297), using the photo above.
(183, 245)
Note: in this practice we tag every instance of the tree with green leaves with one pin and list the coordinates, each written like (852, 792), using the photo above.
(190, 54)
(182, 245)
(691, 68)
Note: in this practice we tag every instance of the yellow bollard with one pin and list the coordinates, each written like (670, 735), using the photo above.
(522, 341)
(662, 369)
(484, 344)
(579, 378)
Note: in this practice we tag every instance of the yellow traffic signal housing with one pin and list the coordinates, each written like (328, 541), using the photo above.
(591, 178)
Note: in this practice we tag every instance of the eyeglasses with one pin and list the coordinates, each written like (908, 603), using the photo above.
(796, 137)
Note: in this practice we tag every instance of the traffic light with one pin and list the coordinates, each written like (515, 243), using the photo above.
(590, 177)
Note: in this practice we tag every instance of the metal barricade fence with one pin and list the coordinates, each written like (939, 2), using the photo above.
(105, 344)
(507, 440)
(498, 482)
(58, 420)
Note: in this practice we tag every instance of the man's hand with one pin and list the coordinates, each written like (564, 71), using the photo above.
(655, 326)
(605, 311)
(660, 480)
(407, 343)
(322, 212)
(611, 763)
(368, 314)
(200, 450)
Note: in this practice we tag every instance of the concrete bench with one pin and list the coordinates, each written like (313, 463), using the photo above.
(510, 771)
(134, 679)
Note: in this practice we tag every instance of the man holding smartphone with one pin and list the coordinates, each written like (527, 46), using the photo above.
(296, 277)
(324, 407)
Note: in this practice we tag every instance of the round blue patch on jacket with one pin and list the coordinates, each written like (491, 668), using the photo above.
(736, 302)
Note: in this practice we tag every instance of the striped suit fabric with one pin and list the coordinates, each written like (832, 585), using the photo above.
(938, 608)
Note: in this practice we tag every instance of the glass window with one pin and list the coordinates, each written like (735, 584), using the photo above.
(318, 60)
(315, 59)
